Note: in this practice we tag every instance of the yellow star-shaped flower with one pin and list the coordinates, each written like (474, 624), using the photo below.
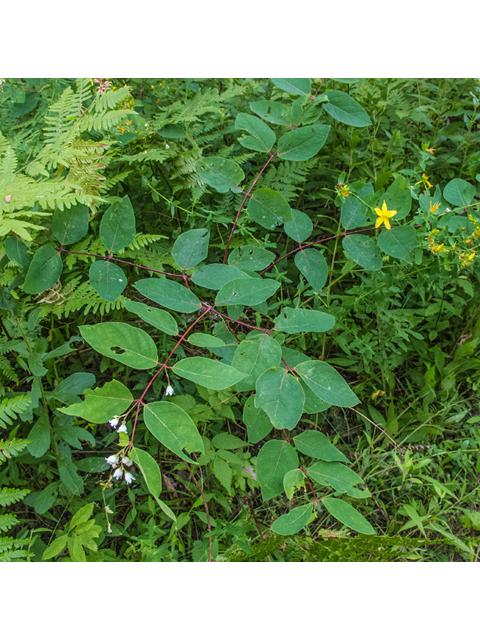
(383, 216)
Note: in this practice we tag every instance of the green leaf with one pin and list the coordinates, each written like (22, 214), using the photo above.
(293, 480)
(169, 294)
(274, 460)
(166, 510)
(335, 474)
(312, 404)
(158, 318)
(70, 478)
(351, 215)
(459, 192)
(250, 257)
(223, 473)
(228, 441)
(173, 427)
(258, 423)
(92, 465)
(76, 383)
(280, 395)
(205, 340)
(261, 137)
(326, 383)
(348, 515)
(274, 112)
(317, 445)
(268, 208)
(303, 143)
(70, 225)
(75, 549)
(253, 356)
(117, 228)
(150, 470)
(294, 521)
(398, 198)
(297, 86)
(101, 404)
(312, 265)
(220, 173)
(211, 374)
(122, 342)
(191, 247)
(362, 250)
(398, 242)
(81, 516)
(108, 280)
(345, 109)
(56, 547)
(18, 251)
(44, 270)
(214, 276)
(172, 131)
(298, 320)
(300, 227)
(40, 437)
(249, 291)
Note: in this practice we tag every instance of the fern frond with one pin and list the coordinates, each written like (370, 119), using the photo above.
(7, 543)
(11, 407)
(11, 448)
(85, 298)
(10, 495)
(142, 240)
(7, 371)
(8, 556)
(111, 99)
(7, 521)
(8, 164)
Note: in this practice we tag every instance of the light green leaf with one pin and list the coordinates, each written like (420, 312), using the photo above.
(327, 383)
(227, 441)
(335, 474)
(280, 395)
(56, 547)
(18, 251)
(117, 228)
(268, 208)
(223, 473)
(398, 242)
(459, 192)
(297, 86)
(312, 404)
(274, 460)
(172, 132)
(258, 423)
(122, 342)
(303, 143)
(274, 112)
(294, 521)
(214, 276)
(211, 374)
(250, 257)
(101, 404)
(149, 469)
(292, 481)
(297, 320)
(70, 225)
(312, 265)
(300, 227)
(169, 294)
(108, 280)
(253, 356)
(220, 173)
(249, 291)
(40, 437)
(191, 247)
(156, 317)
(351, 215)
(205, 340)
(348, 515)
(316, 445)
(345, 109)
(173, 427)
(362, 250)
(261, 138)
(81, 516)
(166, 510)
(44, 270)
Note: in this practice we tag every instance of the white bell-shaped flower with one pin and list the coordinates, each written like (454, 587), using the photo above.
(128, 477)
(122, 429)
(127, 462)
(117, 474)
(113, 422)
(113, 460)
(169, 391)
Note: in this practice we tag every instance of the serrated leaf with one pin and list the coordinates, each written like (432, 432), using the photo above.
(117, 228)
(250, 257)
(345, 109)
(214, 276)
(280, 395)
(220, 173)
(261, 138)
(298, 320)
(294, 521)
(362, 250)
(102, 403)
(44, 271)
(191, 248)
(258, 423)
(398, 242)
(158, 318)
(169, 294)
(211, 374)
(269, 208)
(253, 356)
(70, 225)
(312, 265)
(297, 86)
(173, 427)
(300, 226)
(302, 143)
(316, 445)
(348, 515)
(326, 383)
(247, 291)
(274, 460)
(108, 279)
(459, 192)
(122, 342)
(149, 469)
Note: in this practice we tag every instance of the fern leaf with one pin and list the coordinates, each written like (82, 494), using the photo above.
(11, 407)
(8, 556)
(11, 448)
(7, 521)
(9, 495)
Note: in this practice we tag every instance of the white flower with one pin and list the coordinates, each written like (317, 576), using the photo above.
(113, 422)
(113, 460)
(117, 474)
(146, 124)
(128, 477)
(169, 391)
(127, 462)
(167, 146)
(122, 429)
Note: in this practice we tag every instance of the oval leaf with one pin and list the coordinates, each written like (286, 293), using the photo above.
(280, 395)
(274, 460)
(459, 192)
(303, 143)
(211, 374)
(250, 257)
(169, 294)
(268, 208)
(173, 427)
(220, 173)
(398, 242)
(249, 291)
(214, 276)
(299, 320)
(44, 270)
(16, 250)
(300, 227)
(261, 136)
(345, 109)
(253, 356)
(108, 280)
(256, 420)
(351, 215)
(205, 340)
(348, 515)
(312, 265)
(158, 318)
(71, 225)
(326, 383)
(317, 445)
(335, 474)
(101, 404)
(117, 229)
(362, 250)
(271, 111)
(297, 86)
(149, 469)
(190, 248)
(294, 521)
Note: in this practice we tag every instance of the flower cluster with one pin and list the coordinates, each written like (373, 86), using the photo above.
(119, 466)
(113, 423)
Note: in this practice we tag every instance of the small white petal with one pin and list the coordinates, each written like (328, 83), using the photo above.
(117, 474)
(128, 477)
(113, 422)
(127, 462)
(167, 146)
(113, 460)
(122, 429)
(169, 391)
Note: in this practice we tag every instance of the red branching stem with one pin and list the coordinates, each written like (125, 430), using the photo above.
(241, 206)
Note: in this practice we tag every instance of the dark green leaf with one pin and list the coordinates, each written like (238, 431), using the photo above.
(214, 276)
(398, 198)
(169, 294)
(312, 265)
(348, 515)
(298, 320)
(253, 356)
(44, 270)
(459, 192)
(268, 208)
(16, 250)
(297, 86)
(335, 474)
(40, 437)
(363, 250)
(211, 374)
(300, 227)
(351, 216)
(108, 280)
(261, 137)
(220, 173)
(294, 521)
(271, 111)
(398, 242)
(280, 395)
(258, 423)
(327, 383)
(274, 460)
(149, 469)
(122, 342)
(345, 109)
(303, 143)
(190, 248)
(71, 225)
(117, 229)
(249, 291)
(173, 427)
(250, 257)
(156, 317)
(317, 445)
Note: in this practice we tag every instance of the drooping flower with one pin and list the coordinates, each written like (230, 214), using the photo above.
(128, 477)
(112, 460)
(122, 429)
(383, 216)
(113, 422)
(424, 180)
(169, 391)
(127, 462)
(117, 474)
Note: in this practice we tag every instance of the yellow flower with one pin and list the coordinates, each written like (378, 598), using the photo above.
(471, 256)
(434, 206)
(383, 216)
(438, 247)
(424, 180)
(343, 190)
